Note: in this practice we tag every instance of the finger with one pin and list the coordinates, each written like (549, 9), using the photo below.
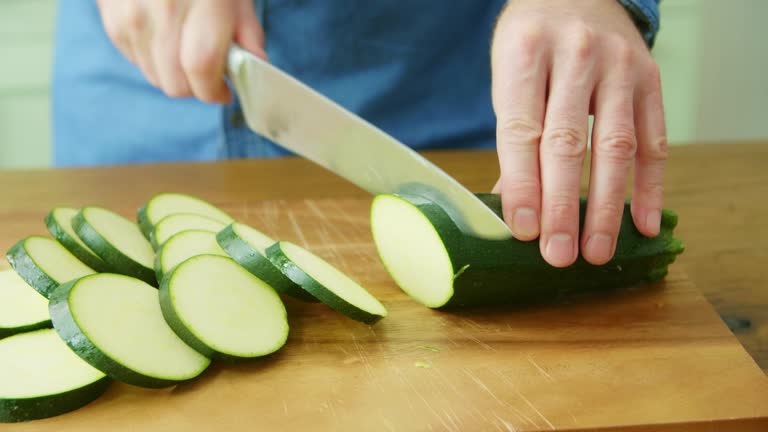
(497, 187)
(168, 17)
(111, 12)
(613, 152)
(248, 31)
(205, 39)
(563, 148)
(140, 36)
(519, 93)
(647, 196)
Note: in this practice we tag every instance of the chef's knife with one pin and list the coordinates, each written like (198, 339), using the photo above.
(291, 114)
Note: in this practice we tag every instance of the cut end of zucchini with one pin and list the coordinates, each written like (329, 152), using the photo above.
(22, 308)
(115, 323)
(44, 263)
(117, 241)
(413, 253)
(326, 282)
(248, 247)
(221, 309)
(185, 245)
(176, 223)
(165, 204)
(41, 377)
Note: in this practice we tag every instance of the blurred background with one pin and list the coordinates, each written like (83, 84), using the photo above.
(713, 56)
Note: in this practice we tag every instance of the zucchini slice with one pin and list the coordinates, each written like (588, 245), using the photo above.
(248, 246)
(117, 241)
(437, 265)
(41, 377)
(164, 204)
(44, 263)
(326, 282)
(179, 222)
(59, 223)
(183, 246)
(114, 323)
(22, 309)
(222, 310)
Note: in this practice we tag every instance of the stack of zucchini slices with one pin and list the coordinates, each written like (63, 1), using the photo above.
(149, 303)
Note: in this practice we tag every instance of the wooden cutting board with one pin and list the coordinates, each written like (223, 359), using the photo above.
(656, 358)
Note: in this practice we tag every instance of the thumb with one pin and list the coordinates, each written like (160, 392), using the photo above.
(248, 31)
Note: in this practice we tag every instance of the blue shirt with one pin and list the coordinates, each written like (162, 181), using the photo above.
(419, 70)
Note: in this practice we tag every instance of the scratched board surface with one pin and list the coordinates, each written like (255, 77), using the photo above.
(655, 359)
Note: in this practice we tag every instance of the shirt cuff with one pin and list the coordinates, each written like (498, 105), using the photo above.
(646, 16)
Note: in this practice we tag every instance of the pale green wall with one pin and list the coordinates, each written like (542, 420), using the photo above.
(26, 28)
(711, 52)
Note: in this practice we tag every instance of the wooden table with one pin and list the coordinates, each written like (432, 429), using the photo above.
(717, 189)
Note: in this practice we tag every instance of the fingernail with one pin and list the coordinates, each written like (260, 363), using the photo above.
(525, 223)
(599, 247)
(559, 249)
(653, 221)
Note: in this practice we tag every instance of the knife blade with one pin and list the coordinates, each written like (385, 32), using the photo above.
(290, 113)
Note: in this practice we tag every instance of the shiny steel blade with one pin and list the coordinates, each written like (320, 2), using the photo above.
(291, 114)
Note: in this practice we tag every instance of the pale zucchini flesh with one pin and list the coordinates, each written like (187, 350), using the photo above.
(117, 241)
(114, 322)
(222, 310)
(185, 245)
(41, 377)
(59, 224)
(22, 309)
(178, 222)
(45, 264)
(326, 282)
(412, 251)
(164, 204)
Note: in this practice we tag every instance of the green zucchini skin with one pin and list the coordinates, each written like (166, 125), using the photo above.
(145, 225)
(259, 265)
(492, 272)
(118, 261)
(26, 267)
(176, 324)
(70, 332)
(307, 282)
(10, 331)
(19, 410)
(84, 255)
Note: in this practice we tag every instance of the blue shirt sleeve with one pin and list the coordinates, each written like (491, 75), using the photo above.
(646, 16)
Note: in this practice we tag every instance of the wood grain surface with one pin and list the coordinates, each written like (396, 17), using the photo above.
(652, 359)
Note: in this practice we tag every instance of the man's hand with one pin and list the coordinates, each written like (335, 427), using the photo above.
(181, 45)
(554, 62)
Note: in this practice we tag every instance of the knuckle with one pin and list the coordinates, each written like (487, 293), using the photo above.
(623, 53)
(652, 190)
(519, 131)
(199, 62)
(521, 187)
(582, 42)
(167, 8)
(565, 143)
(620, 144)
(653, 74)
(562, 208)
(608, 213)
(135, 19)
(530, 39)
(656, 151)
